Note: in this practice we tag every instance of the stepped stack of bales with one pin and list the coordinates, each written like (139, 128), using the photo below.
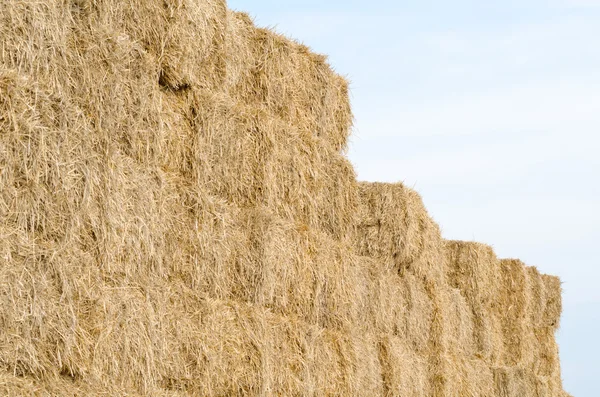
(177, 217)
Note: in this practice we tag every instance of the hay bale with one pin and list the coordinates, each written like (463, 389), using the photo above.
(214, 348)
(547, 361)
(286, 78)
(398, 305)
(224, 348)
(478, 379)
(393, 226)
(260, 258)
(420, 316)
(440, 368)
(528, 341)
(305, 273)
(474, 270)
(12, 385)
(518, 381)
(553, 289)
(404, 372)
(511, 306)
(368, 373)
(311, 360)
(511, 382)
(247, 156)
(36, 25)
(537, 296)
(184, 37)
(542, 333)
(460, 324)
(469, 377)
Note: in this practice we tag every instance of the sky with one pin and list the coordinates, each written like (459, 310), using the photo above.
(490, 110)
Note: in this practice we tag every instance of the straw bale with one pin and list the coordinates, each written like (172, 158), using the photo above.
(421, 314)
(518, 381)
(308, 360)
(254, 256)
(511, 382)
(304, 272)
(289, 80)
(537, 297)
(548, 361)
(369, 371)
(398, 305)
(192, 49)
(469, 377)
(394, 226)
(511, 306)
(248, 156)
(216, 348)
(117, 231)
(552, 286)
(439, 366)
(27, 29)
(169, 339)
(404, 372)
(543, 343)
(479, 379)
(513, 302)
(12, 385)
(460, 323)
(184, 37)
(474, 270)
(546, 349)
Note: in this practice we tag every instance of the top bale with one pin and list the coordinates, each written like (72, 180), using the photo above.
(393, 225)
(184, 37)
(289, 80)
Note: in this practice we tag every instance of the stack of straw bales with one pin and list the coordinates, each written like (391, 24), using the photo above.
(177, 217)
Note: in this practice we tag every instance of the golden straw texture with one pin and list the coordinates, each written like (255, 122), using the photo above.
(178, 218)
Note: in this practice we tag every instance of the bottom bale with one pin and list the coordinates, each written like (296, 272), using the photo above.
(12, 385)
(168, 340)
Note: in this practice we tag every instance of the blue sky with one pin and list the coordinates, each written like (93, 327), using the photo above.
(492, 112)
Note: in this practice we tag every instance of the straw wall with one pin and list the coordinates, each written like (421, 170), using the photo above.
(177, 217)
